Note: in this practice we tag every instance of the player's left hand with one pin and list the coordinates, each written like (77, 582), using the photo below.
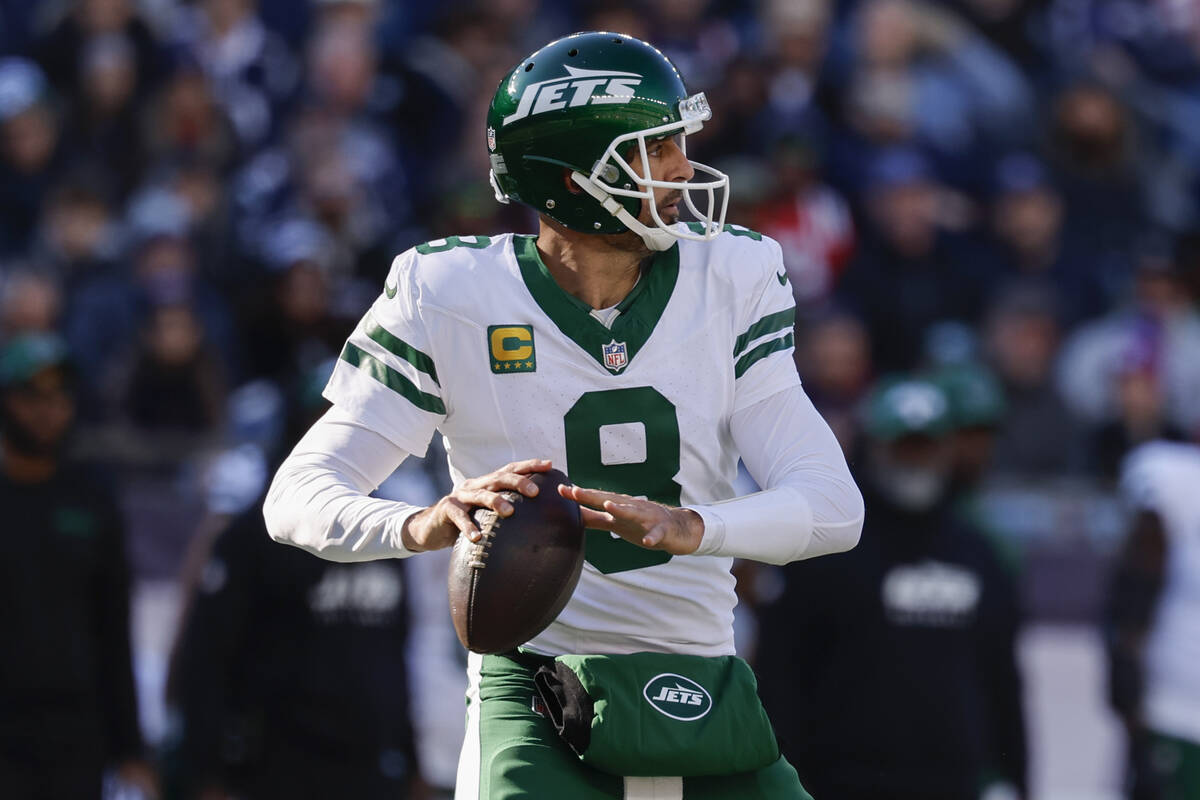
(645, 523)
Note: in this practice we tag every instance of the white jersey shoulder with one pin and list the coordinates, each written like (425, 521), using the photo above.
(458, 269)
(744, 259)
(450, 271)
(740, 250)
(1161, 477)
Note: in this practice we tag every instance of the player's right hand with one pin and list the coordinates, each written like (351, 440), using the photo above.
(437, 526)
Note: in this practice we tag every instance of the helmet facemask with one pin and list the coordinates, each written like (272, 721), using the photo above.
(661, 235)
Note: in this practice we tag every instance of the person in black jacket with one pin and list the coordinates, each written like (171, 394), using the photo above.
(68, 711)
(890, 670)
(288, 679)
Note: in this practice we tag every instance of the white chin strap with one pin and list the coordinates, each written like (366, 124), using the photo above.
(655, 238)
(601, 184)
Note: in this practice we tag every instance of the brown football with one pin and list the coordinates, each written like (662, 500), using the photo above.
(508, 587)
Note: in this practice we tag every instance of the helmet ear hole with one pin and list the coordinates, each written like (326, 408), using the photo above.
(572, 187)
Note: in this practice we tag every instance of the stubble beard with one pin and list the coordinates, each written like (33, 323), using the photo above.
(630, 242)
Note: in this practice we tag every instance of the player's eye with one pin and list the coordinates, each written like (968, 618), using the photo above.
(657, 147)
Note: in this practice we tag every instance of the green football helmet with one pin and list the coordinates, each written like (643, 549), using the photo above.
(587, 103)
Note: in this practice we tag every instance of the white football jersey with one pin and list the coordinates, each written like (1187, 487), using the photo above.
(472, 337)
(1163, 477)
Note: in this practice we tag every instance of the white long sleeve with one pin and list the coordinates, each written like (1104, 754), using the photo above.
(318, 499)
(810, 506)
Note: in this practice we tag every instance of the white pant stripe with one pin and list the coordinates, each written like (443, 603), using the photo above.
(654, 789)
(466, 786)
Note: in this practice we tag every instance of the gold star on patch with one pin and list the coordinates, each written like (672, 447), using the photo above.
(528, 365)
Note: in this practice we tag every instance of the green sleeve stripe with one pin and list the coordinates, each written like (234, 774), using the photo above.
(392, 379)
(398, 347)
(760, 352)
(768, 324)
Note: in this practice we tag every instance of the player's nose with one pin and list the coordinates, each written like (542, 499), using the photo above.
(678, 168)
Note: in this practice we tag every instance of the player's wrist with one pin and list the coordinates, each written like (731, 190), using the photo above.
(412, 531)
(693, 529)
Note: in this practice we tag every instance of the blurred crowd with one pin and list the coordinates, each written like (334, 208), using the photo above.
(200, 198)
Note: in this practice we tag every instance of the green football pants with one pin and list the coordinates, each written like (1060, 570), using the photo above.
(511, 751)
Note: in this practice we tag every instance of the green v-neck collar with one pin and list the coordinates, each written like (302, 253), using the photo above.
(640, 310)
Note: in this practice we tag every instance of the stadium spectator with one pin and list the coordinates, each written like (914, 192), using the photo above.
(797, 40)
(79, 239)
(1032, 249)
(344, 176)
(1163, 320)
(102, 126)
(30, 151)
(293, 327)
(1093, 155)
(909, 272)
(185, 122)
(810, 221)
(198, 186)
(443, 73)
(1039, 437)
(364, 14)
(252, 73)
(30, 302)
(619, 16)
(834, 359)
(739, 103)
(891, 669)
(68, 49)
(918, 74)
(108, 302)
(1015, 28)
(102, 59)
(66, 684)
(175, 384)
(697, 41)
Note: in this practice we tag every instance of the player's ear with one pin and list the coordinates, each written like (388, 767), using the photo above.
(571, 185)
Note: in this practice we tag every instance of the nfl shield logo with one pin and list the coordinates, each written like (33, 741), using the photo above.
(491, 134)
(615, 356)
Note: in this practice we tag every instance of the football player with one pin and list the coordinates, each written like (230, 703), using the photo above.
(1153, 622)
(641, 354)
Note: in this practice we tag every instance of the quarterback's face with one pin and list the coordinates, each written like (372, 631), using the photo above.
(667, 162)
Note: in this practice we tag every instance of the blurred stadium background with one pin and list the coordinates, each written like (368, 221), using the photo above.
(202, 197)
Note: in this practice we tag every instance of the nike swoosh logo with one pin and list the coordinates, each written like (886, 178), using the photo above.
(390, 291)
(782, 276)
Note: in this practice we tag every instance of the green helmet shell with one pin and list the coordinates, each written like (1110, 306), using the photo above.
(562, 107)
